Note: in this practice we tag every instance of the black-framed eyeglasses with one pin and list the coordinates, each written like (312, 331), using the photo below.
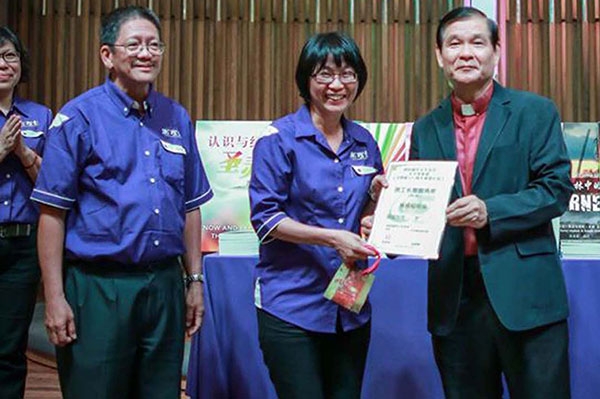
(327, 77)
(134, 48)
(11, 57)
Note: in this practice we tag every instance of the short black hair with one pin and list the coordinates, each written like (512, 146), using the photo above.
(111, 23)
(314, 56)
(7, 35)
(463, 13)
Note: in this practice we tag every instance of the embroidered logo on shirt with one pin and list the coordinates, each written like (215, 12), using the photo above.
(174, 148)
(31, 123)
(59, 119)
(359, 156)
(171, 132)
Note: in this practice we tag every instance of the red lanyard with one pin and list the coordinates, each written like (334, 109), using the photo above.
(375, 264)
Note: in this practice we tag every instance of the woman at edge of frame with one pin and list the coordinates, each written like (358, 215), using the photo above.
(311, 177)
(24, 125)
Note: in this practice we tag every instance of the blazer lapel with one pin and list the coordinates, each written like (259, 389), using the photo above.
(497, 115)
(444, 124)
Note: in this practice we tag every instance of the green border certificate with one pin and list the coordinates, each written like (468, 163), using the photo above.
(411, 213)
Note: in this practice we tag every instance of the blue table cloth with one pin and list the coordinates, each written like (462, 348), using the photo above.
(226, 361)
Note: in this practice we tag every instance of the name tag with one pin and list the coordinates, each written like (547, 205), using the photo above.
(174, 148)
(31, 133)
(363, 170)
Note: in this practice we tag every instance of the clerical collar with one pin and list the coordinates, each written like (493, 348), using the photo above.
(476, 107)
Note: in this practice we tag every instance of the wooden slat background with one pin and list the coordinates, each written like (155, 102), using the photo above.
(553, 48)
(235, 59)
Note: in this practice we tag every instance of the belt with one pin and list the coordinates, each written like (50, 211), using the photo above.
(15, 230)
(107, 266)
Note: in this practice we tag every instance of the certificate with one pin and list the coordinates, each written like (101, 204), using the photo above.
(411, 213)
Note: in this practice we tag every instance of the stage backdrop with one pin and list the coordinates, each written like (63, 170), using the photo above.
(226, 150)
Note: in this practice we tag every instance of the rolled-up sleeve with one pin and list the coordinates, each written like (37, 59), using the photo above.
(269, 185)
(197, 187)
(64, 153)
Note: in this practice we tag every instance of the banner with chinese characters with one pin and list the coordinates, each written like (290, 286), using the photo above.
(226, 151)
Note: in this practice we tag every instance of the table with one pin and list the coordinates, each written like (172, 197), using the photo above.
(226, 361)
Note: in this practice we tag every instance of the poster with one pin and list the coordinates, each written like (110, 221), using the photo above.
(580, 225)
(226, 151)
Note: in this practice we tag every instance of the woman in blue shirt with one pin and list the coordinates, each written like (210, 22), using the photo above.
(23, 128)
(311, 176)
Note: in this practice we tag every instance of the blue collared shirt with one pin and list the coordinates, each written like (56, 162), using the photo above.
(15, 184)
(295, 174)
(127, 180)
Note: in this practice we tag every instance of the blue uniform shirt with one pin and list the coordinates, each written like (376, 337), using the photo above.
(15, 185)
(127, 181)
(295, 174)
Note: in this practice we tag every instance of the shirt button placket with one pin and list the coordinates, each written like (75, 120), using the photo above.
(151, 166)
(340, 189)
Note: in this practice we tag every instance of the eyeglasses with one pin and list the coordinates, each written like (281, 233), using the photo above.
(134, 48)
(327, 77)
(11, 57)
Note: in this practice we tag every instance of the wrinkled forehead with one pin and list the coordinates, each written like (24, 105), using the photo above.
(137, 27)
(471, 26)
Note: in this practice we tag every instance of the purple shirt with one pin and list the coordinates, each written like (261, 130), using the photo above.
(295, 174)
(15, 185)
(127, 181)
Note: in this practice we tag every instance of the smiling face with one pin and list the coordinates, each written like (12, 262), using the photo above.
(333, 98)
(467, 55)
(10, 72)
(133, 71)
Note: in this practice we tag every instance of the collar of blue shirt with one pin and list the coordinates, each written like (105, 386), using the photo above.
(18, 105)
(306, 128)
(122, 100)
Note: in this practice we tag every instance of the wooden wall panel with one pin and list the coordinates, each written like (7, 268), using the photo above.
(556, 52)
(235, 59)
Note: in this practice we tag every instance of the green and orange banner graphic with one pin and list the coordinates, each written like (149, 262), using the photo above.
(226, 151)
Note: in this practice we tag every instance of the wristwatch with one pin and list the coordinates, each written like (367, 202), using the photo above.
(194, 278)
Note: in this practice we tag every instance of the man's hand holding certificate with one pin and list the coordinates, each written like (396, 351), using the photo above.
(411, 212)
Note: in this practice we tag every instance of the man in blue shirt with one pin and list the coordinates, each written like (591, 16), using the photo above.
(120, 186)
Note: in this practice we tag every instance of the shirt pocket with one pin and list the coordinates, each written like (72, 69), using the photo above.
(541, 245)
(172, 163)
(99, 219)
(34, 139)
